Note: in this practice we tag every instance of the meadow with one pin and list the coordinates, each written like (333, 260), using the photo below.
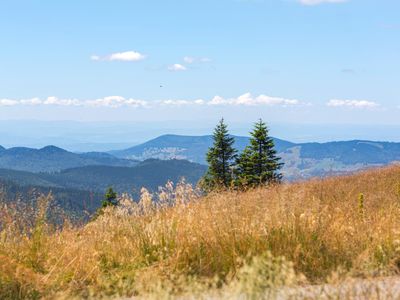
(253, 244)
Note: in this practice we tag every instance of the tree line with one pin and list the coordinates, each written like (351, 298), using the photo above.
(258, 164)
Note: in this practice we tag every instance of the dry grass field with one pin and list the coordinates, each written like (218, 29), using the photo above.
(253, 244)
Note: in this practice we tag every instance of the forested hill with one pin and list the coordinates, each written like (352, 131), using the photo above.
(149, 174)
(52, 159)
(79, 191)
(77, 204)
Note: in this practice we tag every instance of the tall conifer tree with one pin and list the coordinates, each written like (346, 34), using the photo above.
(259, 164)
(221, 159)
(110, 198)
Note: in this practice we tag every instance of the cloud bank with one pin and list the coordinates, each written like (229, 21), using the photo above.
(246, 99)
(119, 101)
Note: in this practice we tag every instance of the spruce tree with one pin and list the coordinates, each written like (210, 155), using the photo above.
(244, 168)
(110, 198)
(221, 159)
(259, 164)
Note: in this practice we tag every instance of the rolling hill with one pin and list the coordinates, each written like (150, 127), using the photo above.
(302, 160)
(25, 189)
(192, 148)
(53, 159)
(353, 152)
(79, 191)
(336, 158)
(150, 174)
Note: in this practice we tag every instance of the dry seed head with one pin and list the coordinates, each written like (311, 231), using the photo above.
(398, 190)
(361, 203)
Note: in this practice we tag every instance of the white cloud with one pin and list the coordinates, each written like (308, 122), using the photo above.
(191, 60)
(175, 102)
(116, 101)
(177, 67)
(60, 102)
(95, 57)
(33, 101)
(120, 56)
(217, 100)
(316, 2)
(248, 100)
(8, 102)
(127, 56)
(188, 60)
(267, 100)
(111, 101)
(352, 103)
(199, 102)
(181, 102)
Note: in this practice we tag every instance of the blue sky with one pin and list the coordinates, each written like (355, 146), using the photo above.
(286, 61)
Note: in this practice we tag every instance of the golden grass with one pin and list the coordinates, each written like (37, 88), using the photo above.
(314, 232)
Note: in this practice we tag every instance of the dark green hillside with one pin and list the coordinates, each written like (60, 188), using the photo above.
(76, 204)
(150, 174)
(53, 159)
(23, 178)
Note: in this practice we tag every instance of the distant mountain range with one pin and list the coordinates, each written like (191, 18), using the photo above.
(302, 160)
(53, 159)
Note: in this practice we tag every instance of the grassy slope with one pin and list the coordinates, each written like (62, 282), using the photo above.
(324, 228)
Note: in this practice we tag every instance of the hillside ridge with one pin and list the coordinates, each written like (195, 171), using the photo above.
(302, 160)
(52, 159)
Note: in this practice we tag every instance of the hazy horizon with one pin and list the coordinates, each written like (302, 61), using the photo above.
(105, 136)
